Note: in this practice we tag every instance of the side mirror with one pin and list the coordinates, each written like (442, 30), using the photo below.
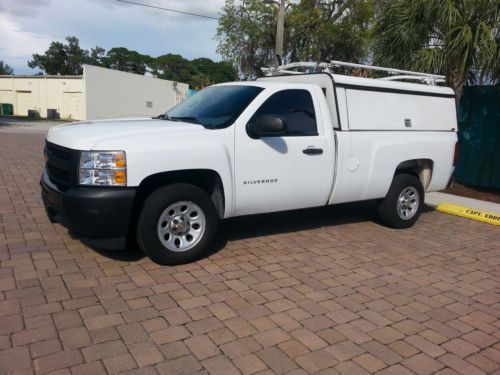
(267, 126)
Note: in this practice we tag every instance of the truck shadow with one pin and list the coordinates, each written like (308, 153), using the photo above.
(291, 221)
(131, 253)
(246, 227)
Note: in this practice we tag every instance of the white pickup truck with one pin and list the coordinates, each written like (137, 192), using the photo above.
(279, 143)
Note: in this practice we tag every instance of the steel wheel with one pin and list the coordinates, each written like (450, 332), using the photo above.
(177, 224)
(408, 203)
(181, 226)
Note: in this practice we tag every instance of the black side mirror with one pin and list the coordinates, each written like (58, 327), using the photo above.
(267, 126)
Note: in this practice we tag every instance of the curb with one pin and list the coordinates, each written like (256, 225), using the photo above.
(469, 213)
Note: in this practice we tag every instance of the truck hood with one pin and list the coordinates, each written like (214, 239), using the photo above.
(86, 135)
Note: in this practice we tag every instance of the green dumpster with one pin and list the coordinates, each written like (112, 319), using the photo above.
(6, 109)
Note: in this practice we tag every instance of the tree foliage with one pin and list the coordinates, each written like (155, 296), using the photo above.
(213, 72)
(5, 68)
(315, 30)
(171, 66)
(68, 59)
(328, 30)
(120, 58)
(198, 73)
(457, 38)
(60, 58)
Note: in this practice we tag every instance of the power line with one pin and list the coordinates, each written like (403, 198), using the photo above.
(167, 9)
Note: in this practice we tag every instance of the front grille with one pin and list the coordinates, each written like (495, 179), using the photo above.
(61, 165)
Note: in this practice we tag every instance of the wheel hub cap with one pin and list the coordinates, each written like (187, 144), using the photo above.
(181, 226)
(408, 203)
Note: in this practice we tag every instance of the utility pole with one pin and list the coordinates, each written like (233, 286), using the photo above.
(278, 51)
(279, 33)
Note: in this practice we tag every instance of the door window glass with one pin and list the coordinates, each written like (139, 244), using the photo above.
(296, 107)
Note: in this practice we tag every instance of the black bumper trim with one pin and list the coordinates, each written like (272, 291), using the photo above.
(91, 212)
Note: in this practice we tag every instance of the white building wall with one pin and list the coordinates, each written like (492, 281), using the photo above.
(6, 90)
(113, 94)
(57, 94)
(40, 93)
(100, 93)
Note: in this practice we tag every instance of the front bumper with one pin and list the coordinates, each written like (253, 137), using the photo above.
(90, 212)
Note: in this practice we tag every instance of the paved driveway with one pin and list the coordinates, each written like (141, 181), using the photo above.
(319, 291)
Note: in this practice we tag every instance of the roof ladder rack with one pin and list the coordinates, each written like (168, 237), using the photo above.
(397, 74)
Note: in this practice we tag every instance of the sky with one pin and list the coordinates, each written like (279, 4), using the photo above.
(28, 26)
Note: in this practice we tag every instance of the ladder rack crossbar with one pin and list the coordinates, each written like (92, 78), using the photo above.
(397, 73)
(388, 70)
(412, 77)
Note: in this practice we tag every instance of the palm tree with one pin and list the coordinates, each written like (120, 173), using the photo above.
(457, 38)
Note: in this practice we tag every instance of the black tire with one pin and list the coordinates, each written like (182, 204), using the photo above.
(155, 206)
(389, 209)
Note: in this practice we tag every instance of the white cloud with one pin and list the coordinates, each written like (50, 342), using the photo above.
(209, 8)
(17, 42)
(28, 26)
(22, 7)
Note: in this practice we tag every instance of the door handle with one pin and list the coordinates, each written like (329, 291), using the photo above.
(312, 151)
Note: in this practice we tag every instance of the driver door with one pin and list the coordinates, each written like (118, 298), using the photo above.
(289, 171)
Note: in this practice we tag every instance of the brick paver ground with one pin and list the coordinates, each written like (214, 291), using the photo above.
(320, 291)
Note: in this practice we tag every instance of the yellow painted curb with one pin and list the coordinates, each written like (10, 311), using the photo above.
(469, 213)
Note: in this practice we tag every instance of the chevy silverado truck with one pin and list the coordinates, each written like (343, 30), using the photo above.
(283, 142)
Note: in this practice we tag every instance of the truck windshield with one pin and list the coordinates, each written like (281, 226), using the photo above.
(214, 107)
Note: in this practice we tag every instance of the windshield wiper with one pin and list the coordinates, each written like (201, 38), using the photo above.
(163, 116)
(190, 119)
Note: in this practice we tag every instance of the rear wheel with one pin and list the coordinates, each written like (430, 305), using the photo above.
(403, 203)
(177, 224)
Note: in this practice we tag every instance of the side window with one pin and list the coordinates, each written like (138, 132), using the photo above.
(296, 106)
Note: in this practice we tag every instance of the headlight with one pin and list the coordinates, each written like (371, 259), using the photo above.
(103, 168)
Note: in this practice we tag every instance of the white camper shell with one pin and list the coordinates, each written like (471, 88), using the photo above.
(363, 103)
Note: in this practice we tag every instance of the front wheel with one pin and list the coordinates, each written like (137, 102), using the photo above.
(403, 203)
(177, 224)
